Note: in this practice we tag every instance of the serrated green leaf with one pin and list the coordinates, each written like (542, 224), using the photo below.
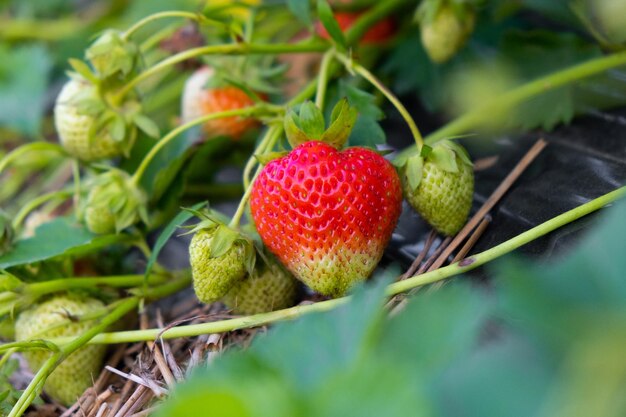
(367, 132)
(302, 10)
(61, 236)
(325, 14)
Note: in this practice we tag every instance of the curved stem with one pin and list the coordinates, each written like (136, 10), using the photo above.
(322, 79)
(121, 281)
(371, 78)
(227, 49)
(35, 385)
(161, 15)
(31, 147)
(271, 141)
(455, 269)
(263, 147)
(245, 112)
(474, 118)
(36, 202)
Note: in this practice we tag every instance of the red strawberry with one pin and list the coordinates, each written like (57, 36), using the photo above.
(379, 33)
(200, 99)
(327, 214)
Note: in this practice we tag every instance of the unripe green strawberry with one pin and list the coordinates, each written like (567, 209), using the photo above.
(60, 316)
(445, 32)
(77, 128)
(220, 258)
(273, 288)
(440, 186)
(114, 203)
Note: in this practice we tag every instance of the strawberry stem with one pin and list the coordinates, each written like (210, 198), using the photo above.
(440, 274)
(36, 202)
(256, 110)
(261, 149)
(322, 79)
(371, 78)
(161, 15)
(474, 118)
(225, 49)
(270, 140)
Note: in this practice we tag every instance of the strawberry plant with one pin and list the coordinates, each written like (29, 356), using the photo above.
(192, 172)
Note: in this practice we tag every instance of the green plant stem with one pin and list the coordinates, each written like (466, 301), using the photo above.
(36, 202)
(262, 148)
(119, 281)
(20, 152)
(245, 112)
(73, 344)
(161, 15)
(322, 79)
(272, 137)
(455, 269)
(35, 385)
(226, 49)
(371, 78)
(475, 118)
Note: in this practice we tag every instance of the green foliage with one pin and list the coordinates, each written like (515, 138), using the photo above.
(61, 236)
(24, 73)
(548, 340)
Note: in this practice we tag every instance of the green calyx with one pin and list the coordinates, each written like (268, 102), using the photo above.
(309, 124)
(113, 55)
(114, 203)
(223, 238)
(445, 154)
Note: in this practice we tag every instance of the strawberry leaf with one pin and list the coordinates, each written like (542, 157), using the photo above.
(301, 9)
(325, 14)
(222, 241)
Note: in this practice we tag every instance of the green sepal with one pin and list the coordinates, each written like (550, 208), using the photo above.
(146, 125)
(295, 135)
(223, 239)
(83, 70)
(311, 120)
(309, 124)
(444, 157)
(460, 151)
(413, 171)
(112, 54)
(342, 121)
(425, 151)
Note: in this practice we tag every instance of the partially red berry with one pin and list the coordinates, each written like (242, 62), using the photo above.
(200, 99)
(327, 214)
